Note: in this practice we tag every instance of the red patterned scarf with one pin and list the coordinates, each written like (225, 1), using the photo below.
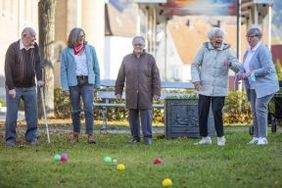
(78, 48)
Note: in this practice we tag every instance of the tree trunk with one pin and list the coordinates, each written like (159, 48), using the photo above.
(46, 13)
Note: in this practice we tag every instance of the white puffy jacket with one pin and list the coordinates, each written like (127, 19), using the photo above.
(208, 68)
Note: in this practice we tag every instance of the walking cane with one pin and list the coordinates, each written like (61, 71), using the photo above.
(45, 116)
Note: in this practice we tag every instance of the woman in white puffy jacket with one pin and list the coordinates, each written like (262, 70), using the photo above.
(210, 77)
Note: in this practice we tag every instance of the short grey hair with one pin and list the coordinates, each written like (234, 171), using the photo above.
(216, 31)
(27, 31)
(138, 40)
(255, 31)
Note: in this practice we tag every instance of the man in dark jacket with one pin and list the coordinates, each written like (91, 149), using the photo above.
(140, 74)
(22, 65)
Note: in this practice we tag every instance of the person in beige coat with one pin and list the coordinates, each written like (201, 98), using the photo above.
(140, 74)
(210, 77)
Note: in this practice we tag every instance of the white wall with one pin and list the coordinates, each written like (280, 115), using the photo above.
(93, 16)
(115, 49)
(176, 70)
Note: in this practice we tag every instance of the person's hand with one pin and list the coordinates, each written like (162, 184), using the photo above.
(156, 97)
(12, 93)
(246, 75)
(197, 85)
(40, 83)
(66, 93)
(118, 96)
(238, 77)
(95, 90)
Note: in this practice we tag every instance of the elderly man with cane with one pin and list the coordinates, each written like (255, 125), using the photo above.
(22, 66)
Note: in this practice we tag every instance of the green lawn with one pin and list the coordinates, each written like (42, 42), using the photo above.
(234, 165)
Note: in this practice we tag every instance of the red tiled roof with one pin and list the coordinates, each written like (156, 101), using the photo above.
(189, 39)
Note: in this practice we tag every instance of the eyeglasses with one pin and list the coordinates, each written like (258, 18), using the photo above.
(251, 36)
(81, 36)
(30, 36)
(138, 44)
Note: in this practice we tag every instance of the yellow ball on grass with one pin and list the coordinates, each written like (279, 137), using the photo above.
(167, 182)
(120, 167)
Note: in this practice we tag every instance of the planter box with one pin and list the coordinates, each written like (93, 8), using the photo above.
(181, 118)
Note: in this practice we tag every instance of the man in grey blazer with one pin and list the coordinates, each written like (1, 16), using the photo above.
(261, 82)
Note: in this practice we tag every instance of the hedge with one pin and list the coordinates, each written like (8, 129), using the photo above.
(236, 109)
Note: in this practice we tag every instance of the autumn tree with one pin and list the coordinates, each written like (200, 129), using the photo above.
(46, 14)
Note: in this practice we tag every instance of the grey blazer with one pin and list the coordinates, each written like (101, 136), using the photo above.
(266, 82)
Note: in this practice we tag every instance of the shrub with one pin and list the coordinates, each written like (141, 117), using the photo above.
(62, 104)
(237, 109)
(2, 102)
(278, 68)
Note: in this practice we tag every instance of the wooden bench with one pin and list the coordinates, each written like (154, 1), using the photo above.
(106, 94)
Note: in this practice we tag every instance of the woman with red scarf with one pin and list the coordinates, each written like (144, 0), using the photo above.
(80, 77)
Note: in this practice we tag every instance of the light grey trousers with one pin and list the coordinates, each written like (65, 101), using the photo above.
(259, 113)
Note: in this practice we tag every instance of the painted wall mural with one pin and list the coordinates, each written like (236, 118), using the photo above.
(200, 7)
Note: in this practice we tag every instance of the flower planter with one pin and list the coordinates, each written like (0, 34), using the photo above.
(181, 118)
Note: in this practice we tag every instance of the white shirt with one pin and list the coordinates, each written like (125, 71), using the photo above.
(251, 52)
(23, 47)
(81, 64)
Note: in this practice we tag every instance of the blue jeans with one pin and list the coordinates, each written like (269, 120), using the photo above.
(146, 123)
(30, 107)
(85, 92)
(259, 113)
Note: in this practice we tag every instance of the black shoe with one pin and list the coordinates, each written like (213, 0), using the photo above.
(133, 141)
(90, 139)
(148, 141)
